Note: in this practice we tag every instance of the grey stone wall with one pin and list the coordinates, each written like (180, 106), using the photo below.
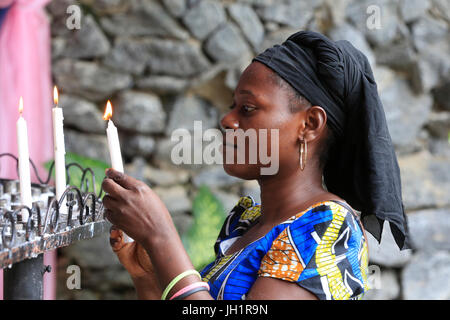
(167, 63)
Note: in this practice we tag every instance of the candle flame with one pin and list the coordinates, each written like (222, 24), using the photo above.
(108, 111)
(21, 105)
(55, 95)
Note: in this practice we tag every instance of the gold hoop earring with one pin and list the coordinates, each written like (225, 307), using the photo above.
(303, 154)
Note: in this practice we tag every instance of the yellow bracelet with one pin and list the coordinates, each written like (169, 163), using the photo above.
(175, 281)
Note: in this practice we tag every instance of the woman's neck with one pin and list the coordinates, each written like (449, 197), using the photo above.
(284, 195)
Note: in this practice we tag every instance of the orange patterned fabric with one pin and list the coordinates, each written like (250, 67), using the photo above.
(281, 261)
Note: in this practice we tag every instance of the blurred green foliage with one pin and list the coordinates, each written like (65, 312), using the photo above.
(97, 166)
(209, 216)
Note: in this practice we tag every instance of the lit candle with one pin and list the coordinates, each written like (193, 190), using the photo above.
(114, 148)
(59, 150)
(24, 163)
(113, 140)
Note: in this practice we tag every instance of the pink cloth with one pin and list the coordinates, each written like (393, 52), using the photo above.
(25, 71)
(5, 3)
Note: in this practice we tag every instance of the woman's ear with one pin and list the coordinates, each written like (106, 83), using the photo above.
(315, 123)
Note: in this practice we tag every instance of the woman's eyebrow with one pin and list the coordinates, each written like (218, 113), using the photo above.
(243, 91)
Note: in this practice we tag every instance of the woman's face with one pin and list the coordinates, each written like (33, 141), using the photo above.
(260, 103)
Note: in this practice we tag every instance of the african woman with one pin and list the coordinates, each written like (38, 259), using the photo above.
(338, 176)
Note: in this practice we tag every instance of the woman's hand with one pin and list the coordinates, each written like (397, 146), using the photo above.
(131, 255)
(134, 208)
(137, 262)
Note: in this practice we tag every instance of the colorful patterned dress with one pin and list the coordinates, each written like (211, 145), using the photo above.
(322, 249)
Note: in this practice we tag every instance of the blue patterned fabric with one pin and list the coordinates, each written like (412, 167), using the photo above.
(322, 249)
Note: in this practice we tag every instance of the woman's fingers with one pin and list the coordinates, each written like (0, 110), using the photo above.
(112, 188)
(108, 215)
(133, 207)
(122, 179)
(113, 216)
(110, 203)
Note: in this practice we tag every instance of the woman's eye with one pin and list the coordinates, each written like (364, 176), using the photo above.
(248, 108)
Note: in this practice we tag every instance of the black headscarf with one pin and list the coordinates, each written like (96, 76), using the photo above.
(362, 166)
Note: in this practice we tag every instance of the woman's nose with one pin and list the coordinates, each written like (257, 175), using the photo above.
(228, 121)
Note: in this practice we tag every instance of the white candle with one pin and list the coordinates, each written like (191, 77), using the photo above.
(113, 140)
(24, 163)
(59, 150)
(114, 149)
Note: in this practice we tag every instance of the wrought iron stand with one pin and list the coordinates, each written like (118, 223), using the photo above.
(24, 280)
(49, 226)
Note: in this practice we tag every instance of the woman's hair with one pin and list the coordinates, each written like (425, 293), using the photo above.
(297, 102)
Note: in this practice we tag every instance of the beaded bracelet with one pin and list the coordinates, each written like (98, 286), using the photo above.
(175, 281)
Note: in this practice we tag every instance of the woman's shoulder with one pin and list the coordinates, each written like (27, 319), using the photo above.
(325, 221)
(246, 211)
(324, 224)
(324, 211)
(309, 223)
(322, 249)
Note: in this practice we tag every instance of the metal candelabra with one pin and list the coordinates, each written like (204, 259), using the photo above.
(49, 226)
